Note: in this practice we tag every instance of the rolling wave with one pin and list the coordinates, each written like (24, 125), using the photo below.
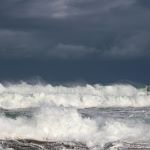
(93, 117)
(24, 95)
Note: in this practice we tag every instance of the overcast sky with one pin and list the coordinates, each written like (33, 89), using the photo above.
(75, 40)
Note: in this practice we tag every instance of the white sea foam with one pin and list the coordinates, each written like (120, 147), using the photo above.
(58, 124)
(25, 95)
(57, 117)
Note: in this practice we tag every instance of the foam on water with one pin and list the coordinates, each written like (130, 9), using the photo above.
(57, 124)
(57, 116)
(24, 95)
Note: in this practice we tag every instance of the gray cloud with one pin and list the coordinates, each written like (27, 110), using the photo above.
(69, 29)
(71, 51)
(61, 8)
(14, 43)
(134, 47)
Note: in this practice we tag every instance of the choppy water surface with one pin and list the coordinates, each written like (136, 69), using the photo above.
(76, 117)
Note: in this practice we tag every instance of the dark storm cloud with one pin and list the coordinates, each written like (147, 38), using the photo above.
(67, 29)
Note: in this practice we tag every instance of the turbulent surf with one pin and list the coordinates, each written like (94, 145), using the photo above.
(94, 117)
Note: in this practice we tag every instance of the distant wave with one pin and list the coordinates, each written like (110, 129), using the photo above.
(26, 95)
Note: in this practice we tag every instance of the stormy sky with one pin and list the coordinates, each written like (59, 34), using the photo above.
(94, 41)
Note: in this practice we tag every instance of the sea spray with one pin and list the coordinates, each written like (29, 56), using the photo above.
(94, 115)
(24, 95)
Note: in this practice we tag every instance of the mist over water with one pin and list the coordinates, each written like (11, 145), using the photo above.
(91, 114)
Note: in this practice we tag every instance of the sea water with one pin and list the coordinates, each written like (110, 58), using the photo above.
(101, 117)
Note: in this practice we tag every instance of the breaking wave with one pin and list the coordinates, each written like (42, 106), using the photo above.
(94, 115)
(24, 95)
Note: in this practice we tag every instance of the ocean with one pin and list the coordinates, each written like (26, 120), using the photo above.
(84, 117)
